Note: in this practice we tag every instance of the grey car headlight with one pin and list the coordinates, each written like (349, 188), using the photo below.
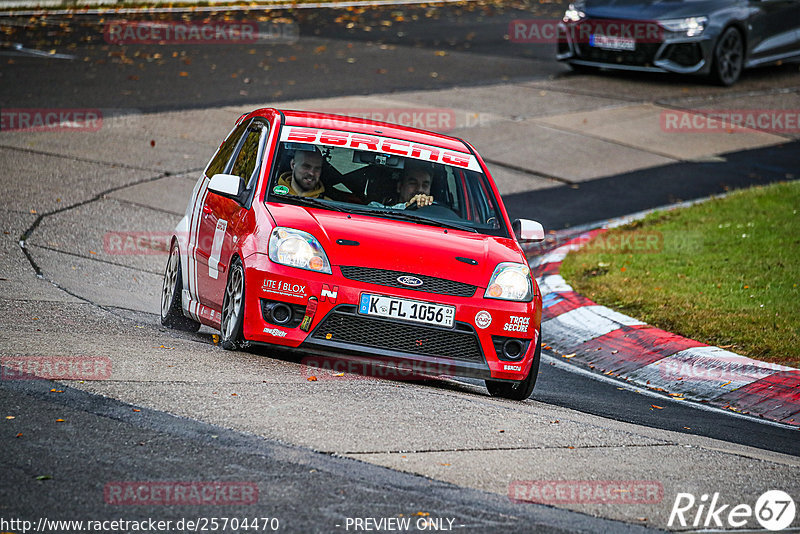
(296, 248)
(691, 26)
(510, 281)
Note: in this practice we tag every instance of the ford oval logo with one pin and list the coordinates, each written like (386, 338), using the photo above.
(411, 281)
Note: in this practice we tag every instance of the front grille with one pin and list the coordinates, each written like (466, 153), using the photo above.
(644, 55)
(344, 325)
(430, 284)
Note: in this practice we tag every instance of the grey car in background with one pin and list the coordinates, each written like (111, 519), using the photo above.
(717, 38)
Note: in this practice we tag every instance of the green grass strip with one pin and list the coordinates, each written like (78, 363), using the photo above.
(724, 272)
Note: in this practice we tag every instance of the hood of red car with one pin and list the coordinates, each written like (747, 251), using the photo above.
(380, 243)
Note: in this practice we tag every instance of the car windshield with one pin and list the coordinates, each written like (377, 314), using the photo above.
(362, 179)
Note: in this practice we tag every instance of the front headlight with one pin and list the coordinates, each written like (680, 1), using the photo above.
(574, 12)
(691, 26)
(510, 281)
(296, 248)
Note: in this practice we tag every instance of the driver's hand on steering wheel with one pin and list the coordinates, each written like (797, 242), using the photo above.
(420, 200)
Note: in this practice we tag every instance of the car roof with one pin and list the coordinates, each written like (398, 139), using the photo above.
(310, 119)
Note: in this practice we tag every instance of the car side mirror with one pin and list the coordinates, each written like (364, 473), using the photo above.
(526, 230)
(226, 185)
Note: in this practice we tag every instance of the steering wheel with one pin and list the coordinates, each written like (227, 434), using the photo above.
(416, 206)
(435, 210)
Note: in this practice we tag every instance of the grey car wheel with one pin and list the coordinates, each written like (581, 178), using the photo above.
(728, 57)
(231, 335)
(171, 290)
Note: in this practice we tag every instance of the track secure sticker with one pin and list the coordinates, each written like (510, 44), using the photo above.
(517, 323)
(483, 319)
(280, 190)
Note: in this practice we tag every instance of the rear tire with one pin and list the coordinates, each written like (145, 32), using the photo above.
(231, 336)
(521, 390)
(171, 307)
(728, 59)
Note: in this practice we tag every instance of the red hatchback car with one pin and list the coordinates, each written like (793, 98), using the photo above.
(342, 237)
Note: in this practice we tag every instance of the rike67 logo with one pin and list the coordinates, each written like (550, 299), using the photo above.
(774, 510)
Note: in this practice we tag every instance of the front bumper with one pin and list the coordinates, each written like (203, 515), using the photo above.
(671, 52)
(337, 329)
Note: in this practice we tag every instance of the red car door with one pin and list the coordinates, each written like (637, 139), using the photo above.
(219, 218)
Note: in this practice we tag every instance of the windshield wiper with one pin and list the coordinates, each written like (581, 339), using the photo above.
(315, 202)
(404, 215)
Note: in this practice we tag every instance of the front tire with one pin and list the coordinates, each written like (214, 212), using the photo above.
(728, 60)
(231, 336)
(518, 391)
(171, 311)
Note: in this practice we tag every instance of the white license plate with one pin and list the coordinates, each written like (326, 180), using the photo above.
(612, 43)
(407, 310)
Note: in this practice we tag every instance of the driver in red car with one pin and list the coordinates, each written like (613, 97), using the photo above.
(304, 178)
(414, 187)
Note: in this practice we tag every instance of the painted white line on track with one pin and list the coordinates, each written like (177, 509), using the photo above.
(547, 358)
(216, 8)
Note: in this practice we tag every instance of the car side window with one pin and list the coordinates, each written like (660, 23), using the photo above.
(246, 160)
(220, 161)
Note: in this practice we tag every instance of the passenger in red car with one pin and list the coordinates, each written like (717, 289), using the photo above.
(304, 178)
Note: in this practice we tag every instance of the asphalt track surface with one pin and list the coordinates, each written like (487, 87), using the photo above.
(312, 489)
(304, 490)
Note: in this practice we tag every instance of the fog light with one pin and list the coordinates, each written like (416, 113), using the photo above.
(512, 349)
(281, 313)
